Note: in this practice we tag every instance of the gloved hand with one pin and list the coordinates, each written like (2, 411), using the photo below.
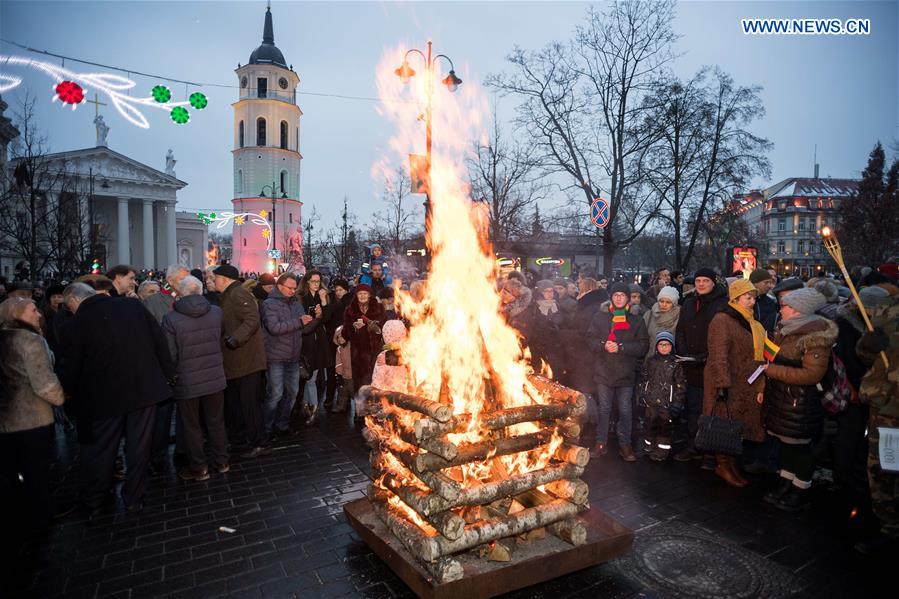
(873, 342)
(231, 343)
(172, 380)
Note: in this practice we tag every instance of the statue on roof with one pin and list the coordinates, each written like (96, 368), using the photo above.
(102, 130)
(170, 163)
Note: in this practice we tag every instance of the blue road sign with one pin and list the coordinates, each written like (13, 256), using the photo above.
(599, 212)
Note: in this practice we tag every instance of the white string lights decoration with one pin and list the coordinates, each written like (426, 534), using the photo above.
(69, 88)
(221, 220)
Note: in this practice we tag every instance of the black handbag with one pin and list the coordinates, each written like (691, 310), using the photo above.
(305, 370)
(720, 435)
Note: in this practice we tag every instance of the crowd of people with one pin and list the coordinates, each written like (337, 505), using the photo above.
(240, 364)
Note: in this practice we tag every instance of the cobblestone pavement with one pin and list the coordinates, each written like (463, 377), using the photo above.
(696, 536)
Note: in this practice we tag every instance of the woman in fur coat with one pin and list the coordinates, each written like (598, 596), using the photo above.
(362, 324)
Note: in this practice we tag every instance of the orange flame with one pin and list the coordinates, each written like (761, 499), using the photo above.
(460, 349)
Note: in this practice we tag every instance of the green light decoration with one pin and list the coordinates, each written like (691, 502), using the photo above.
(180, 115)
(198, 100)
(161, 94)
(212, 215)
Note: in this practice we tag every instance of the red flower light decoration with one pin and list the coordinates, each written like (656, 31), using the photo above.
(70, 92)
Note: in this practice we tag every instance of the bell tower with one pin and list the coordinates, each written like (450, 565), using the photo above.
(267, 159)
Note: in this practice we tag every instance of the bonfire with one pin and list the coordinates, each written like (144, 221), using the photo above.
(473, 452)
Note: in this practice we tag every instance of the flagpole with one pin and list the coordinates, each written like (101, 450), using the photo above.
(832, 245)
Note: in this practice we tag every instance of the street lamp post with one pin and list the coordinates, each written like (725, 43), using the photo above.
(452, 83)
(274, 190)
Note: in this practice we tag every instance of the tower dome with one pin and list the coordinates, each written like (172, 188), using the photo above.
(268, 52)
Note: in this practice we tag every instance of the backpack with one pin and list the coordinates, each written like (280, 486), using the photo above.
(838, 392)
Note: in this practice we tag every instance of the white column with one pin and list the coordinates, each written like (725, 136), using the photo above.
(123, 240)
(171, 234)
(149, 256)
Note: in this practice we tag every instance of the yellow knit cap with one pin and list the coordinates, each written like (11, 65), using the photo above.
(739, 287)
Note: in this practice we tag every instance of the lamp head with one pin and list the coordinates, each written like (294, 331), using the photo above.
(405, 72)
(826, 232)
(452, 82)
(262, 193)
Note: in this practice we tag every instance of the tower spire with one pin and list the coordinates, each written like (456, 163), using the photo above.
(268, 32)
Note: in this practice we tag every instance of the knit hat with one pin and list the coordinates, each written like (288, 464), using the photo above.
(740, 287)
(790, 284)
(707, 273)
(873, 296)
(890, 270)
(228, 271)
(363, 287)
(196, 272)
(635, 288)
(805, 301)
(620, 287)
(664, 336)
(669, 293)
(393, 331)
(759, 275)
(266, 278)
(827, 288)
(544, 284)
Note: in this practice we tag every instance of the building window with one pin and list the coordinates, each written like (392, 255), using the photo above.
(781, 224)
(801, 248)
(261, 87)
(240, 135)
(298, 140)
(283, 135)
(801, 223)
(290, 217)
(239, 183)
(260, 131)
(781, 247)
(245, 242)
(283, 181)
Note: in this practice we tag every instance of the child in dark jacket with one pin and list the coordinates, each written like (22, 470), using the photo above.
(663, 393)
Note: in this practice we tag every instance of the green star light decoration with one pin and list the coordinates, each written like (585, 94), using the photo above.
(161, 94)
(180, 115)
(198, 100)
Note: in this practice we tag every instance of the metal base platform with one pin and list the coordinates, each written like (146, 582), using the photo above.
(532, 563)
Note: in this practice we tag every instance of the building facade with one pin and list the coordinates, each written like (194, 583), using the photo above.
(789, 217)
(266, 159)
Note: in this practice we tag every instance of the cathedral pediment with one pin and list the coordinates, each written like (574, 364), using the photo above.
(113, 167)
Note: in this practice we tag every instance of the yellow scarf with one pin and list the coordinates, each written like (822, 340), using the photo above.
(758, 331)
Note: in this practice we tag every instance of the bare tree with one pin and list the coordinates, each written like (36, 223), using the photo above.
(505, 174)
(583, 105)
(38, 222)
(308, 227)
(341, 246)
(392, 225)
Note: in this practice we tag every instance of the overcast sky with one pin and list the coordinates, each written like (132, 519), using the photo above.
(839, 92)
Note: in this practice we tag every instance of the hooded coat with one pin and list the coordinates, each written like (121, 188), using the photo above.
(664, 383)
(28, 386)
(365, 343)
(193, 330)
(731, 362)
(282, 327)
(691, 334)
(618, 369)
(792, 399)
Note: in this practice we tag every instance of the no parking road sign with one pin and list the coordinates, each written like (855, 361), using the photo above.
(599, 212)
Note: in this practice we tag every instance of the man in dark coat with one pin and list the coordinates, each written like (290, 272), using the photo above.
(116, 366)
(691, 337)
(193, 331)
(765, 306)
(283, 322)
(618, 340)
(243, 350)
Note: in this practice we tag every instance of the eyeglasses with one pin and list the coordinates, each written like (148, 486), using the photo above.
(288, 287)
(315, 280)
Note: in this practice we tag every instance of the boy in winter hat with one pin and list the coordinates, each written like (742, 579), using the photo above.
(663, 395)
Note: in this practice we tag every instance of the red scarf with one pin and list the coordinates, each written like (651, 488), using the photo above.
(619, 320)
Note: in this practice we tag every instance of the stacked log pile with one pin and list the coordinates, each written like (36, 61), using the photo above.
(421, 496)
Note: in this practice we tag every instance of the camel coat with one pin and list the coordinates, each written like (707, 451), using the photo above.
(730, 363)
